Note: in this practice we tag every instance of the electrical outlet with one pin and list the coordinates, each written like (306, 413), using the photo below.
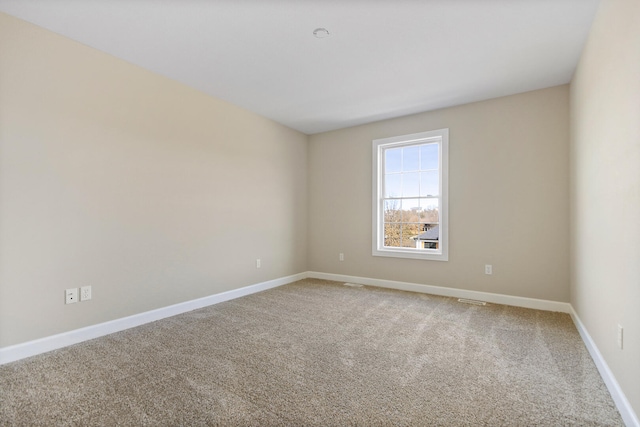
(341, 256)
(71, 295)
(620, 336)
(85, 293)
(258, 263)
(488, 269)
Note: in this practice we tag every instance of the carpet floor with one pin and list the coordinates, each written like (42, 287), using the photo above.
(318, 353)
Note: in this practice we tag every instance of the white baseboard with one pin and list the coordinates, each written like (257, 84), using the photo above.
(32, 348)
(537, 304)
(42, 345)
(624, 407)
(626, 411)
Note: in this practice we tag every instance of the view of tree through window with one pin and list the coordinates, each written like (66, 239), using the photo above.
(410, 196)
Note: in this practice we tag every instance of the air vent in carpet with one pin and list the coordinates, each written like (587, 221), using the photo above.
(471, 301)
(353, 285)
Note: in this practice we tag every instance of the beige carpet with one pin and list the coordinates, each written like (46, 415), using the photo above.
(320, 353)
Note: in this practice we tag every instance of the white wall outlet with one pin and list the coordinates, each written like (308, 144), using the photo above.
(341, 257)
(620, 336)
(85, 293)
(258, 263)
(71, 295)
(488, 269)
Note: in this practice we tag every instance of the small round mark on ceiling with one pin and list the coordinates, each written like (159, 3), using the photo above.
(321, 33)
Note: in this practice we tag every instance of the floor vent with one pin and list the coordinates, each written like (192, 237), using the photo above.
(353, 285)
(471, 301)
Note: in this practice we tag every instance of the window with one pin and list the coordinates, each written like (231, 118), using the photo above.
(410, 200)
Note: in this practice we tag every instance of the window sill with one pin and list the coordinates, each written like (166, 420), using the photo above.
(411, 254)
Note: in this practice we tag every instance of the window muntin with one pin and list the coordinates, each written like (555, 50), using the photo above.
(410, 196)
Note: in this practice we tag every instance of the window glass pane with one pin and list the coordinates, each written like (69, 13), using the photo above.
(410, 210)
(410, 213)
(429, 211)
(410, 159)
(429, 156)
(393, 160)
(429, 183)
(393, 185)
(429, 233)
(409, 234)
(392, 233)
(411, 184)
(392, 211)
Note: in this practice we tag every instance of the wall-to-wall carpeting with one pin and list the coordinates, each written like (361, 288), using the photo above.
(320, 353)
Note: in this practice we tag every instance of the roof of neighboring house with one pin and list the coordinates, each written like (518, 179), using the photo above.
(433, 234)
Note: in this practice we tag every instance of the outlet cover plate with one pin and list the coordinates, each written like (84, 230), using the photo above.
(85, 293)
(71, 295)
(620, 337)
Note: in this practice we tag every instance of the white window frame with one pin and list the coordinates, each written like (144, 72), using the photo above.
(440, 136)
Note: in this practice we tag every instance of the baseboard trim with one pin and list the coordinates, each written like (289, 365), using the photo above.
(624, 407)
(43, 345)
(53, 342)
(537, 304)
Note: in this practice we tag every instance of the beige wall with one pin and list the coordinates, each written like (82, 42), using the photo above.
(508, 190)
(154, 194)
(150, 192)
(605, 189)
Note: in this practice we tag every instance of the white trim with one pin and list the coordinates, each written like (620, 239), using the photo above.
(538, 304)
(441, 137)
(624, 407)
(42, 345)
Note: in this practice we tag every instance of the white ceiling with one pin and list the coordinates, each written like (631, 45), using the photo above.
(383, 59)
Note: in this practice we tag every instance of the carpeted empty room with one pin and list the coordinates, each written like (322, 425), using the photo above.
(320, 353)
(319, 213)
